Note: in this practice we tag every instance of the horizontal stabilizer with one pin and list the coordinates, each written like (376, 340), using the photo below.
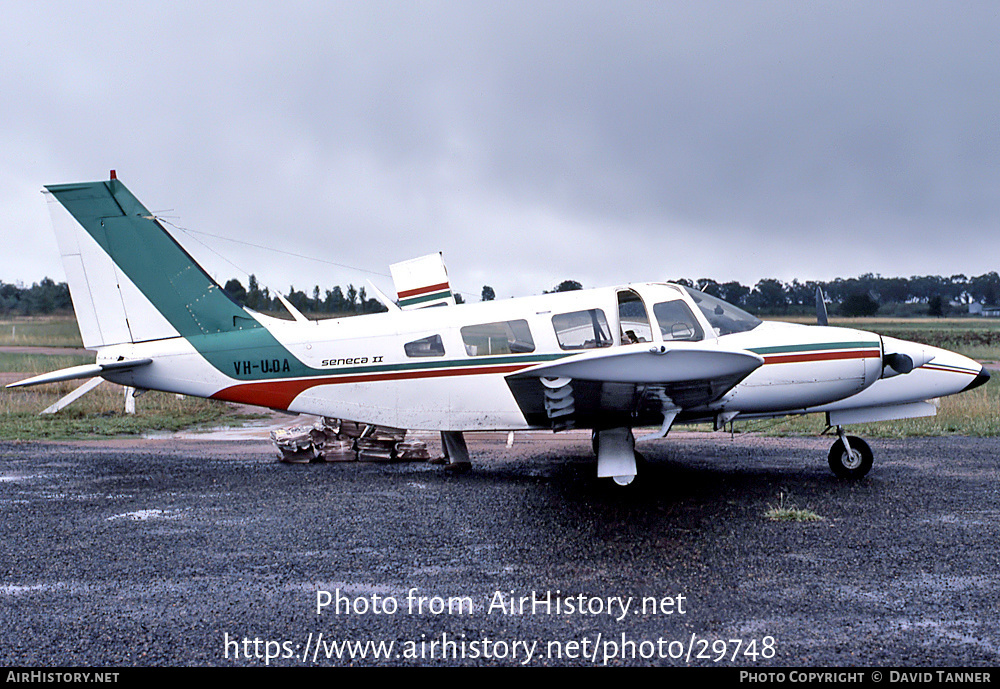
(81, 372)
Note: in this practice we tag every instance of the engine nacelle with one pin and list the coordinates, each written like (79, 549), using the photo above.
(900, 356)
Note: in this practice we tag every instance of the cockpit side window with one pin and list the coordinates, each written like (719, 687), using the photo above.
(582, 329)
(677, 322)
(632, 318)
(504, 337)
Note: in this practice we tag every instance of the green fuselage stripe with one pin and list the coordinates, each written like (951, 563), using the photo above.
(526, 359)
(814, 347)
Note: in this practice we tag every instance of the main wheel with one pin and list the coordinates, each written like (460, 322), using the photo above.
(853, 464)
(623, 481)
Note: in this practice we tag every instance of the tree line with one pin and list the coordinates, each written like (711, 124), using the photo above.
(47, 296)
(860, 296)
(336, 301)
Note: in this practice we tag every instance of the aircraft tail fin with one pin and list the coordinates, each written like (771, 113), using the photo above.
(422, 282)
(129, 278)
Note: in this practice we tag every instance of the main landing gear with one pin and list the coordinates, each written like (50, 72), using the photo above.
(850, 456)
(616, 455)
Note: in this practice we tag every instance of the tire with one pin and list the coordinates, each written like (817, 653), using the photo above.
(851, 467)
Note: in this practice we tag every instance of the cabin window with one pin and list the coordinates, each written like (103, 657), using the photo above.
(582, 329)
(428, 346)
(632, 318)
(505, 337)
(676, 321)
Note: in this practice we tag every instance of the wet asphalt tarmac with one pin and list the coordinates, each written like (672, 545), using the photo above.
(183, 552)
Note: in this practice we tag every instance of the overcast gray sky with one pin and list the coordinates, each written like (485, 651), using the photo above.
(530, 142)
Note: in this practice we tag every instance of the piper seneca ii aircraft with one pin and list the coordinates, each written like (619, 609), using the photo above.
(610, 359)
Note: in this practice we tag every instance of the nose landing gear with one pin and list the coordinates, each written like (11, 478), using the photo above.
(850, 456)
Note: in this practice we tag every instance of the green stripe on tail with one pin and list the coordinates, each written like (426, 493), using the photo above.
(190, 300)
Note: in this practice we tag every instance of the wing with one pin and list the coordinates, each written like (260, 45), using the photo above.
(628, 386)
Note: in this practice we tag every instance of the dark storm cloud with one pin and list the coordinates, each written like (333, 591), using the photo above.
(595, 141)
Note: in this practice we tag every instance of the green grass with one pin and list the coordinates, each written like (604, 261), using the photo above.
(40, 331)
(73, 425)
(99, 413)
(18, 362)
(787, 512)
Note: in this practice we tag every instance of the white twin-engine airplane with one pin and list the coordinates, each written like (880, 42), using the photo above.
(609, 359)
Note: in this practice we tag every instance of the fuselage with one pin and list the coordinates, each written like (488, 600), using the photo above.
(445, 368)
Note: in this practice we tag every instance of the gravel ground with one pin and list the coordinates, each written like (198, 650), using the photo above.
(158, 552)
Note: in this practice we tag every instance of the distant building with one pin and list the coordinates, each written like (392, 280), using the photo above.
(977, 308)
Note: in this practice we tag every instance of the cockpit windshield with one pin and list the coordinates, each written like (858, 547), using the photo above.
(725, 318)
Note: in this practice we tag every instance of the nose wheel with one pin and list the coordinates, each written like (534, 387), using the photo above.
(850, 456)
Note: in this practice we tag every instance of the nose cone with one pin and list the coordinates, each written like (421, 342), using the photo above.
(981, 379)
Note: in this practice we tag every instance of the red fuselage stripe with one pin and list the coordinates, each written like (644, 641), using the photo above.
(949, 369)
(278, 394)
(821, 356)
